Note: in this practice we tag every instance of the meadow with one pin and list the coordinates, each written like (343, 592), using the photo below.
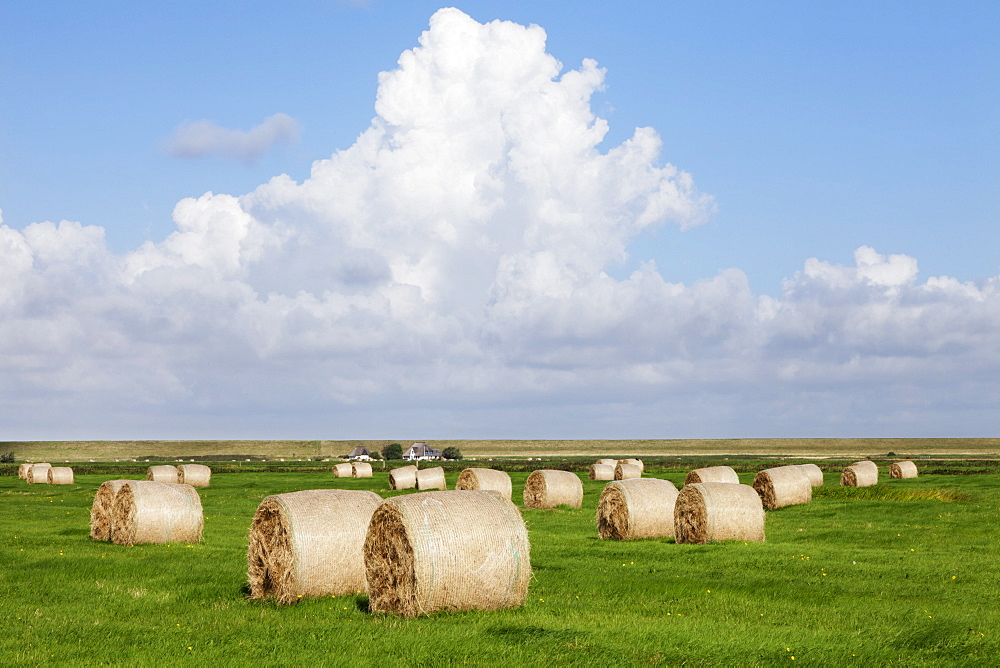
(899, 574)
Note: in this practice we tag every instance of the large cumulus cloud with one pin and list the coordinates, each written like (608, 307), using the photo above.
(448, 272)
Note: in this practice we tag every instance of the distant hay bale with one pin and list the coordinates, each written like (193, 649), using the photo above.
(22, 470)
(636, 508)
(310, 543)
(860, 474)
(608, 462)
(714, 511)
(487, 479)
(432, 478)
(783, 486)
(814, 473)
(603, 471)
(404, 477)
(345, 470)
(457, 550)
(100, 510)
(60, 475)
(633, 462)
(147, 511)
(361, 470)
(163, 473)
(38, 473)
(546, 488)
(196, 475)
(712, 474)
(625, 471)
(903, 469)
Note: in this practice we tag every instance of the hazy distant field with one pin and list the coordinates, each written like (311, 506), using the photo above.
(826, 447)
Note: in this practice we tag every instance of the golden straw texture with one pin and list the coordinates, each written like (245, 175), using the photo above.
(783, 486)
(432, 478)
(903, 469)
(814, 473)
(625, 471)
(859, 474)
(146, 511)
(633, 462)
(404, 477)
(60, 475)
(361, 470)
(714, 511)
(636, 508)
(488, 479)
(196, 475)
(603, 471)
(712, 474)
(548, 488)
(344, 470)
(310, 543)
(163, 473)
(457, 550)
(100, 510)
(38, 473)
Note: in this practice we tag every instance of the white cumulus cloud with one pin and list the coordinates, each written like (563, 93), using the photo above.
(195, 139)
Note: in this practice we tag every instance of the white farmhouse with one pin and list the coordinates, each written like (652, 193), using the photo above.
(422, 452)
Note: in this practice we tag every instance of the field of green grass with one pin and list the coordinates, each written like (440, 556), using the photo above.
(890, 575)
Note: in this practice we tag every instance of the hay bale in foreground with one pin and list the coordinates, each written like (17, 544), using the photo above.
(163, 473)
(636, 508)
(310, 543)
(488, 479)
(714, 511)
(547, 488)
(608, 462)
(903, 469)
(712, 474)
(100, 510)
(432, 478)
(457, 550)
(783, 486)
(859, 474)
(625, 471)
(345, 470)
(60, 475)
(603, 471)
(38, 473)
(196, 475)
(633, 462)
(146, 511)
(813, 472)
(361, 470)
(404, 477)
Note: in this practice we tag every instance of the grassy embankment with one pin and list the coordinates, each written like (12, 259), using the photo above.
(841, 581)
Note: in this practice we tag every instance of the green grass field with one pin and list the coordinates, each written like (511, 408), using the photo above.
(885, 576)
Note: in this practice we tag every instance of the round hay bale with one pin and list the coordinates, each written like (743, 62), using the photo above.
(625, 471)
(146, 511)
(487, 479)
(783, 486)
(814, 473)
(432, 478)
(636, 508)
(38, 473)
(714, 511)
(163, 473)
(712, 474)
(196, 475)
(361, 470)
(405, 477)
(22, 470)
(100, 510)
(345, 470)
(457, 550)
(608, 462)
(603, 471)
(903, 469)
(859, 474)
(547, 488)
(310, 543)
(60, 475)
(633, 462)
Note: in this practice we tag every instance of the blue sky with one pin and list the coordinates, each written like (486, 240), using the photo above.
(816, 130)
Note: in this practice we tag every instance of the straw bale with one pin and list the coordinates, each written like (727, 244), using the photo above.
(196, 475)
(163, 473)
(814, 473)
(60, 475)
(633, 462)
(38, 473)
(636, 508)
(608, 462)
(488, 479)
(714, 511)
(903, 469)
(432, 478)
(100, 510)
(146, 511)
(603, 471)
(361, 470)
(310, 543)
(859, 474)
(22, 470)
(783, 486)
(712, 474)
(547, 488)
(404, 477)
(625, 471)
(457, 550)
(345, 470)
